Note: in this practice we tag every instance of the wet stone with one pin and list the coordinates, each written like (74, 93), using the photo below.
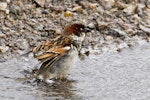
(22, 44)
(4, 49)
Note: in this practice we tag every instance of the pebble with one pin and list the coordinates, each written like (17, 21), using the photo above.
(22, 44)
(91, 25)
(3, 7)
(40, 2)
(121, 33)
(4, 49)
(108, 38)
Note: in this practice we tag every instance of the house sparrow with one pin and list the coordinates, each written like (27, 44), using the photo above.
(59, 55)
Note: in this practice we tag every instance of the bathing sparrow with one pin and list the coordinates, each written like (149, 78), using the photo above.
(60, 54)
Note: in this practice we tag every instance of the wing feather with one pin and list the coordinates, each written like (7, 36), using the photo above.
(48, 46)
(50, 52)
(48, 64)
(50, 57)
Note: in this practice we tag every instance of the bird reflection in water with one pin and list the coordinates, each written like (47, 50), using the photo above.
(59, 89)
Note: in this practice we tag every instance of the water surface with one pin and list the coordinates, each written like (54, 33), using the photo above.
(109, 76)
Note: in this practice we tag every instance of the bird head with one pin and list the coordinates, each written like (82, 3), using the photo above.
(76, 32)
(74, 29)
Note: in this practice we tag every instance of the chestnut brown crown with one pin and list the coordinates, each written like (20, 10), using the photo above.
(75, 29)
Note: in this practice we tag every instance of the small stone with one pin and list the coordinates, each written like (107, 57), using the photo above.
(108, 38)
(68, 14)
(140, 9)
(22, 44)
(121, 5)
(77, 9)
(4, 49)
(3, 6)
(39, 27)
(136, 17)
(93, 5)
(102, 25)
(145, 29)
(107, 4)
(49, 81)
(148, 39)
(120, 32)
(129, 31)
(130, 9)
(91, 25)
(8, 1)
(58, 31)
(7, 11)
(2, 35)
(16, 8)
(84, 4)
(40, 2)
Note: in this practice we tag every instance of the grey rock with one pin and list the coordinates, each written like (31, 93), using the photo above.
(22, 44)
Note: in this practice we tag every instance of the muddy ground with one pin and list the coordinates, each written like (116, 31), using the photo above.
(117, 66)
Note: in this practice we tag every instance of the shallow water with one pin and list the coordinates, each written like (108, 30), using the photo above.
(109, 76)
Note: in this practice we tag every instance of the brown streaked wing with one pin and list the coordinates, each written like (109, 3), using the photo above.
(44, 46)
(60, 41)
(48, 63)
(55, 51)
(50, 57)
